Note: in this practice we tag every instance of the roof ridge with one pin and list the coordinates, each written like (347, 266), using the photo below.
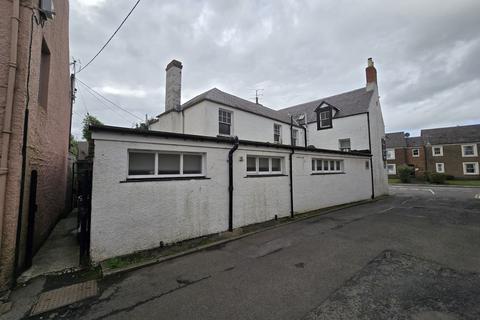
(322, 99)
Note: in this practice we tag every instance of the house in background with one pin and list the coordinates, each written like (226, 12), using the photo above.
(451, 150)
(35, 123)
(349, 121)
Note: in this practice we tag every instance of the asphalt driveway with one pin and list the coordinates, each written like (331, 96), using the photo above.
(414, 255)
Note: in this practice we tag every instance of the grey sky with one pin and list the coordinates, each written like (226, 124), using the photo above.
(427, 54)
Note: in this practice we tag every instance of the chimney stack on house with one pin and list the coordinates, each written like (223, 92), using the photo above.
(173, 86)
(371, 74)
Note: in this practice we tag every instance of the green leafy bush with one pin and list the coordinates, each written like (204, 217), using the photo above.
(405, 173)
(450, 177)
(438, 178)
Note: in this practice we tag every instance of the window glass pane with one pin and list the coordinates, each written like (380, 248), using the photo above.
(276, 164)
(468, 150)
(344, 144)
(470, 168)
(251, 164)
(337, 163)
(168, 163)
(325, 165)
(224, 128)
(325, 123)
(313, 165)
(140, 163)
(332, 165)
(192, 163)
(263, 164)
(319, 165)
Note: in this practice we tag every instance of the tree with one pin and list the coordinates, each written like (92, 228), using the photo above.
(145, 125)
(73, 145)
(88, 121)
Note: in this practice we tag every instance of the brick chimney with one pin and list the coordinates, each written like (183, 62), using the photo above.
(173, 86)
(371, 74)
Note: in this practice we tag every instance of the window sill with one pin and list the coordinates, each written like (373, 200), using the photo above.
(265, 175)
(325, 173)
(162, 179)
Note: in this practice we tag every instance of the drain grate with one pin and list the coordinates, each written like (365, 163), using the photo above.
(61, 297)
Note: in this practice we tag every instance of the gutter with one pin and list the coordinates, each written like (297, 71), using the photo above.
(371, 162)
(7, 120)
(226, 140)
(230, 183)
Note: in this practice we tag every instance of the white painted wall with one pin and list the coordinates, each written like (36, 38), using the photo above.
(377, 130)
(132, 216)
(353, 127)
(202, 119)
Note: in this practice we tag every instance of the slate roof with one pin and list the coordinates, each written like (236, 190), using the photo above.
(395, 140)
(348, 104)
(414, 142)
(459, 134)
(218, 96)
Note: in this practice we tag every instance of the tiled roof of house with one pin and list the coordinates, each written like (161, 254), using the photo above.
(218, 96)
(348, 104)
(395, 140)
(457, 134)
(414, 142)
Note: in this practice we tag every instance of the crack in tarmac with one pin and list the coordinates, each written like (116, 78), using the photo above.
(142, 302)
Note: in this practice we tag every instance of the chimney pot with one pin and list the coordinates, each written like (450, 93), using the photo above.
(173, 86)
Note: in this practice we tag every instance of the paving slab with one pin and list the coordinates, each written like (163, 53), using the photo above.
(61, 297)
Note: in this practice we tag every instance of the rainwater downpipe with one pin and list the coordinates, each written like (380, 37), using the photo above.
(290, 171)
(7, 120)
(230, 183)
(371, 162)
(24, 155)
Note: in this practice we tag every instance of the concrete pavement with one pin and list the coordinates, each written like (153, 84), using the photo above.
(292, 271)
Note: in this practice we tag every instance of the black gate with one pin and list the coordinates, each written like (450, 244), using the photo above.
(84, 196)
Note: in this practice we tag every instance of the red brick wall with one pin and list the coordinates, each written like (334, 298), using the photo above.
(48, 128)
(453, 161)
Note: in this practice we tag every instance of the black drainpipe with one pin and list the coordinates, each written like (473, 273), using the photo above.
(230, 183)
(305, 132)
(371, 162)
(291, 166)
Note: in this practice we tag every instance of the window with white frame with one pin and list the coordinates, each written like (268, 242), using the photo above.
(469, 150)
(416, 152)
(277, 133)
(224, 122)
(327, 166)
(345, 145)
(437, 151)
(264, 165)
(440, 167)
(148, 164)
(325, 119)
(470, 168)
(391, 168)
(390, 154)
(295, 137)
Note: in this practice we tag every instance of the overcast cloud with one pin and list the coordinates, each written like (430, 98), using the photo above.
(427, 54)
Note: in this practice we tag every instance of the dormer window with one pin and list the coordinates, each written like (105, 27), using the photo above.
(324, 116)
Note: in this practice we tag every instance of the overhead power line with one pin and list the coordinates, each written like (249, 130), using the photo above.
(111, 37)
(108, 100)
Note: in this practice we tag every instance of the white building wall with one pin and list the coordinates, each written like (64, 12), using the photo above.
(132, 216)
(377, 131)
(202, 119)
(353, 127)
